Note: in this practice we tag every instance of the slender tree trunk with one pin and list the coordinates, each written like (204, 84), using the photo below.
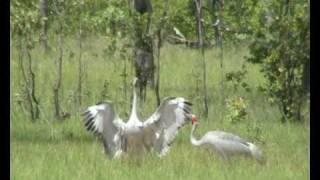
(32, 86)
(59, 114)
(217, 21)
(80, 68)
(124, 75)
(57, 84)
(204, 66)
(11, 82)
(43, 14)
(143, 47)
(157, 85)
(222, 69)
(159, 44)
(26, 82)
(306, 76)
(148, 23)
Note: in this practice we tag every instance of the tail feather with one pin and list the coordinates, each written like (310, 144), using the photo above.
(256, 153)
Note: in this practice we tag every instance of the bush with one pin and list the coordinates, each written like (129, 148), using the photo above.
(282, 48)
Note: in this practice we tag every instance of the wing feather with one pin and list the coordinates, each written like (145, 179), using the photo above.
(170, 116)
(102, 119)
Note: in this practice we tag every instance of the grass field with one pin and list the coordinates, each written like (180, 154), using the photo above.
(48, 149)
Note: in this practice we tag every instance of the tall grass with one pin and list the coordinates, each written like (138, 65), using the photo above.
(49, 149)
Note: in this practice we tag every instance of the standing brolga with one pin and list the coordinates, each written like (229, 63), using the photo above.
(157, 132)
(225, 144)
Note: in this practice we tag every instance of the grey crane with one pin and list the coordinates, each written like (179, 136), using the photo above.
(157, 132)
(225, 144)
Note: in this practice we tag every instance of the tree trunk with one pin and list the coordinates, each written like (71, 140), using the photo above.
(159, 44)
(26, 82)
(306, 76)
(204, 66)
(143, 48)
(216, 7)
(124, 76)
(43, 15)
(57, 85)
(31, 86)
(80, 68)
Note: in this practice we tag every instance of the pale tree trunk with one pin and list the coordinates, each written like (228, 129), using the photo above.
(43, 7)
(159, 44)
(217, 6)
(204, 66)
(57, 85)
(124, 75)
(80, 66)
(56, 88)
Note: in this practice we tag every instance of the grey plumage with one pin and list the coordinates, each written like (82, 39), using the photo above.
(99, 119)
(167, 120)
(226, 144)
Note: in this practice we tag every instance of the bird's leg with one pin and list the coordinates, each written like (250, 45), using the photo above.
(124, 144)
(223, 155)
(105, 145)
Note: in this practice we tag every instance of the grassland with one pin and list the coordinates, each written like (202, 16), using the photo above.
(49, 149)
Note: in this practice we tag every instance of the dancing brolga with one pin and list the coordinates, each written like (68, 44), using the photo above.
(225, 144)
(157, 132)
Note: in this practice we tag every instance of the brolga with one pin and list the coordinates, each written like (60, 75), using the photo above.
(156, 132)
(225, 144)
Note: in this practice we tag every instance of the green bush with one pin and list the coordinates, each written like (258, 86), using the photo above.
(281, 46)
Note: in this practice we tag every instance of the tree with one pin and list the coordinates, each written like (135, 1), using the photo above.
(59, 10)
(204, 65)
(43, 8)
(23, 23)
(143, 47)
(282, 48)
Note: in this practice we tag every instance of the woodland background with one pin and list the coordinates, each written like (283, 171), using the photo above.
(244, 65)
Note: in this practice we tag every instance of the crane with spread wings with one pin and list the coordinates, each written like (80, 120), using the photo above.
(157, 132)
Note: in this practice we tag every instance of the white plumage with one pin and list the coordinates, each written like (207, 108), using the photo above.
(157, 132)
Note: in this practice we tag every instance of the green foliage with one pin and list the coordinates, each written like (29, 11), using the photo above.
(236, 110)
(236, 78)
(23, 19)
(181, 18)
(282, 48)
(280, 34)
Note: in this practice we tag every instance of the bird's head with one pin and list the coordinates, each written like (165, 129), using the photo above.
(194, 119)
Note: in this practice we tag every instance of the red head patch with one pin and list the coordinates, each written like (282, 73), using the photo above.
(193, 119)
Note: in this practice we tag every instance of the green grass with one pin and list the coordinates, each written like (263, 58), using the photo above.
(48, 149)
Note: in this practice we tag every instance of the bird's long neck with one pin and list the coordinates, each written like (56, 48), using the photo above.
(193, 140)
(133, 115)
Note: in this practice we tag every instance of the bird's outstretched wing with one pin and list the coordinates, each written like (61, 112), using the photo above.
(102, 119)
(167, 120)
